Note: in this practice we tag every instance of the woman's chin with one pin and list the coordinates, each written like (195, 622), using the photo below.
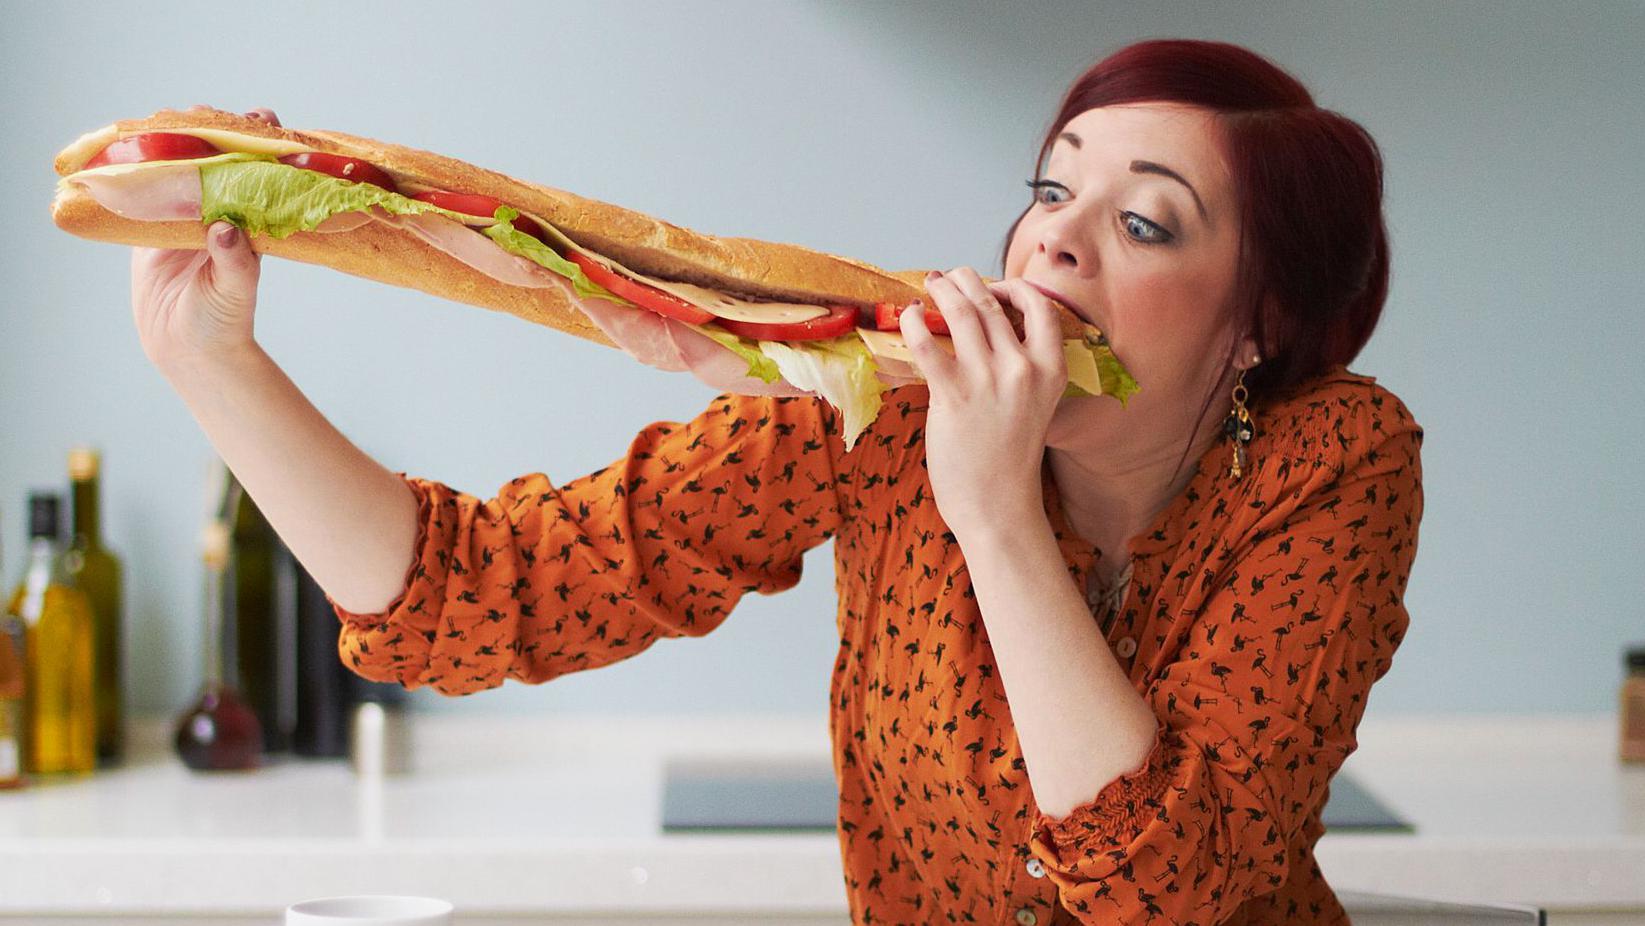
(1080, 419)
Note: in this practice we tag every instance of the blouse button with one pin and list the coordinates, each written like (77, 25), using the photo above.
(1036, 868)
(1126, 647)
(1026, 917)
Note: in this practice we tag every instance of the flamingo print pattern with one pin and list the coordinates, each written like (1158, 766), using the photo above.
(1259, 614)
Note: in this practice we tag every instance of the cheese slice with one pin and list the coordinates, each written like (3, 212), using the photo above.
(234, 141)
(115, 170)
(891, 344)
(1082, 366)
(711, 301)
(742, 310)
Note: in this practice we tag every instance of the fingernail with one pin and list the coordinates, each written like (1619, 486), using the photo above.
(932, 275)
(917, 303)
(226, 235)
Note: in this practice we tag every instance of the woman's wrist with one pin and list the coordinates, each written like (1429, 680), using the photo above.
(202, 369)
(1005, 526)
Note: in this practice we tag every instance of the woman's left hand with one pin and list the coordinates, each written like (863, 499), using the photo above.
(992, 400)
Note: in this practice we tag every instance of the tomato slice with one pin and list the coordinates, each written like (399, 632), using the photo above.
(887, 313)
(646, 297)
(480, 205)
(153, 146)
(841, 319)
(341, 167)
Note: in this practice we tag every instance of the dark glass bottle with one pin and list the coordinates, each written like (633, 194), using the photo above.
(220, 732)
(262, 626)
(327, 691)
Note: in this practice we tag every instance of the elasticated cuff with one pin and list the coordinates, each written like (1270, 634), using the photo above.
(1116, 817)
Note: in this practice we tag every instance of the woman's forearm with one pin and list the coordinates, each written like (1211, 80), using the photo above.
(350, 521)
(1079, 721)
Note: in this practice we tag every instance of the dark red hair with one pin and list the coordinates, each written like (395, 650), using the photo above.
(1313, 251)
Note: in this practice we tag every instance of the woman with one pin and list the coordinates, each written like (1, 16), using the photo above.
(1080, 679)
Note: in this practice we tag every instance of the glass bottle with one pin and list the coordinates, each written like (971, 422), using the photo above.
(1632, 714)
(14, 681)
(58, 643)
(220, 732)
(96, 571)
(261, 619)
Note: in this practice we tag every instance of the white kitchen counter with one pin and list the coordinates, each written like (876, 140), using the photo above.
(510, 817)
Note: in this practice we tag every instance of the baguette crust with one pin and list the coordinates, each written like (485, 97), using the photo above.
(740, 266)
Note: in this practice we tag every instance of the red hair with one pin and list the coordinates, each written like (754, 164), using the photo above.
(1313, 250)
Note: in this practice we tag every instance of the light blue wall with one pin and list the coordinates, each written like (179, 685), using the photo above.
(899, 134)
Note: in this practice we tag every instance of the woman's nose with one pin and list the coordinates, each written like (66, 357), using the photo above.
(1066, 239)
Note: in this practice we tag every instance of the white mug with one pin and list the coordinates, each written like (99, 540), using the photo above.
(370, 910)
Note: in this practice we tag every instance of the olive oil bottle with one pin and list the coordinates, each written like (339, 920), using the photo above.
(61, 727)
(95, 570)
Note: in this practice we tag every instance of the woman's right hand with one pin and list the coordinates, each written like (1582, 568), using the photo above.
(192, 306)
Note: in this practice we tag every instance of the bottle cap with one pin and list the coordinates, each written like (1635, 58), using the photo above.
(214, 544)
(379, 739)
(83, 463)
(1634, 657)
(44, 518)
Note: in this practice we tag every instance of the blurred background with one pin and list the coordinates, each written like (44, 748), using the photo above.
(895, 133)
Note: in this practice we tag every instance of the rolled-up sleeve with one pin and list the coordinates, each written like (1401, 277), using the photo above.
(1260, 708)
(541, 580)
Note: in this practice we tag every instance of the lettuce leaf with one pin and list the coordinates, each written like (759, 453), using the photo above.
(266, 197)
(518, 242)
(1116, 380)
(841, 370)
(1094, 370)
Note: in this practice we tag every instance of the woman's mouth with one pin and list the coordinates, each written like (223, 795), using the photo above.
(1071, 304)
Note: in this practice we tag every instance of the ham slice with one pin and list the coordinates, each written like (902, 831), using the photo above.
(471, 247)
(171, 192)
(161, 194)
(720, 368)
(343, 222)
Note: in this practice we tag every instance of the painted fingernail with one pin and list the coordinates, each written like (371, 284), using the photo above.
(932, 275)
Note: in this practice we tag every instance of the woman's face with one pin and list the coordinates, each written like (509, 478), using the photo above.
(1147, 257)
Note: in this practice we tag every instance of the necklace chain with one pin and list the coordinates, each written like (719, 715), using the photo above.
(1105, 599)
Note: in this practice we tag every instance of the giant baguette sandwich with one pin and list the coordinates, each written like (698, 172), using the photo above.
(745, 315)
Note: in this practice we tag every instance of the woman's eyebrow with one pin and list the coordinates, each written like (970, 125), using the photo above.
(1149, 167)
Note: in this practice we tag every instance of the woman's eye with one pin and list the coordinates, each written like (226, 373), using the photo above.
(1143, 230)
(1042, 186)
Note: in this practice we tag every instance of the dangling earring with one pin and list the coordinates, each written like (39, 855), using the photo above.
(1238, 427)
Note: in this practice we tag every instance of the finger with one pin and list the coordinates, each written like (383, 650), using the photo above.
(265, 114)
(234, 265)
(1042, 325)
(1001, 336)
(934, 363)
(970, 341)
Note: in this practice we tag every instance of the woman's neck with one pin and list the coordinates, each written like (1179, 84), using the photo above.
(1107, 505)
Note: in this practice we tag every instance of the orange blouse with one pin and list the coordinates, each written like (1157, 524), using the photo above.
(1259, 614)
